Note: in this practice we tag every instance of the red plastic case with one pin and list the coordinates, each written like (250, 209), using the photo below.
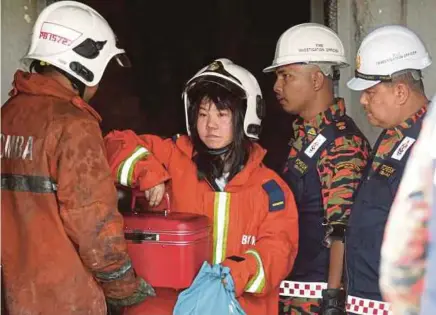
(167, 248)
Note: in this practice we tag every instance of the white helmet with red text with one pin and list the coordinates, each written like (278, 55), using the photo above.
(76, 39)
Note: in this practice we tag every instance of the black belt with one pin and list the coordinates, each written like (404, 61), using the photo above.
(27, 183)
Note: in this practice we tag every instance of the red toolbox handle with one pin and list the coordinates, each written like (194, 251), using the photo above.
(136, 194)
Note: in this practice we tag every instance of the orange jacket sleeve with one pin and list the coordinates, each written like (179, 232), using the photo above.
(271, 259)
(138, 161)
(88, 207)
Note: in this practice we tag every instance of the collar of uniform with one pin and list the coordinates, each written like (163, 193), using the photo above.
(409, 122)
(80, 103)
(256, 156)
(36, 84)
(255, 160)
(313, 126)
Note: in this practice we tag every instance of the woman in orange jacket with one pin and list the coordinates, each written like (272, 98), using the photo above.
(217, 171)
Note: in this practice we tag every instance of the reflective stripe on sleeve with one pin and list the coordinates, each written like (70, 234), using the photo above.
(257, 283)
(126, 168)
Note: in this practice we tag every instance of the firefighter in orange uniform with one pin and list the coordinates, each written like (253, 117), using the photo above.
(217, 171)
(63, 248)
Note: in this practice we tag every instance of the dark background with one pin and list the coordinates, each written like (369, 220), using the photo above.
(169, 41)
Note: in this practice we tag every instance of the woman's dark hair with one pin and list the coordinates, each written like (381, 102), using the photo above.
(211, 165)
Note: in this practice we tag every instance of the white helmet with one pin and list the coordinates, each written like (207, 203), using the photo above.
(385, 51)
(225, 70)
(76, 39)
(309, 43)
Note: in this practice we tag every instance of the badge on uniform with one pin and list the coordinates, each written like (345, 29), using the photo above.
(312, 132)
(300, 166)
(386, 170)
(340, 125)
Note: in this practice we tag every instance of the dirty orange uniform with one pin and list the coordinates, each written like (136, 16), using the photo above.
(254, 217)
(63, 247)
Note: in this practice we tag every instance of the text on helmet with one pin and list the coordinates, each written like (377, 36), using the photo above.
(58, 33)
(396, 56)
(320, 48)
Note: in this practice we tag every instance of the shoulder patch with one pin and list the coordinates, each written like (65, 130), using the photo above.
(275, 194)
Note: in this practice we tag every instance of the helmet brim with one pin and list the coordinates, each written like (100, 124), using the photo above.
(358, 84)
(270, 68)
(273, 67)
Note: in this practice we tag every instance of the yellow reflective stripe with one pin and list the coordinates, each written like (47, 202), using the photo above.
(125, 170)
(220, 226)
(257, 283)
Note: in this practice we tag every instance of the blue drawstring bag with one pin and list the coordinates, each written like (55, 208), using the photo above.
(208, 295)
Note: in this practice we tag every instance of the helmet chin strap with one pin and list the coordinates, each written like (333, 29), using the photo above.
(218, 151)
(77, 84)
(215, 152)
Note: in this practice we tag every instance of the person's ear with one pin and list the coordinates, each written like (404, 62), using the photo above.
(401, 92)
(318, 79)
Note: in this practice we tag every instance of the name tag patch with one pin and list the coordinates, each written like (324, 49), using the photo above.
(402, 149)
(315, 145)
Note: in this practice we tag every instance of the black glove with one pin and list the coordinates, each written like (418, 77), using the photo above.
(143, 291)
(333, 302)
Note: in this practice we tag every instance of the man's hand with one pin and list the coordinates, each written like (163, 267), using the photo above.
(155, 194)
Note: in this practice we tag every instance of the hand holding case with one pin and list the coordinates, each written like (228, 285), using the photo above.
(167, 247)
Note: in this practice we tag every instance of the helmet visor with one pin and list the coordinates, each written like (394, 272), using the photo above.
(123, 60)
